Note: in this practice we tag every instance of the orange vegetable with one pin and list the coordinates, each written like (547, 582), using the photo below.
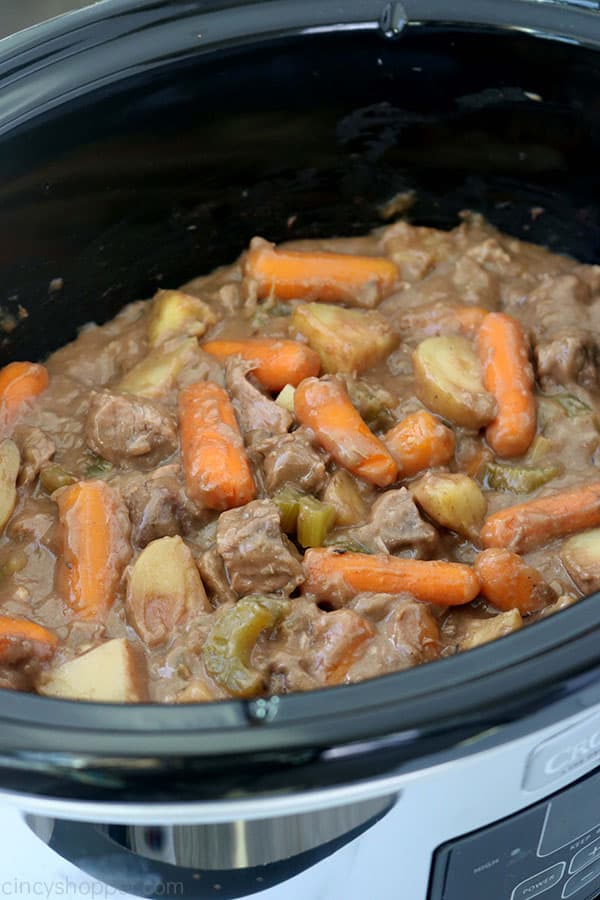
(16, 631)
(94, 539)
(418, 442)
(529, 525)
(20, 382)
(278, 362)
(324, 405)
(344, 575)
(317, 275)
(217, 471)
(509, 583)
(507, 374)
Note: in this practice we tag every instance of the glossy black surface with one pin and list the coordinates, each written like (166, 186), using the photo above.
(162, 171)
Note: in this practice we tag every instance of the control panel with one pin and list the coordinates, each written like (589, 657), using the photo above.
(551, 849)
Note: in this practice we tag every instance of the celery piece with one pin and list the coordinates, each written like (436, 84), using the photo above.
(228, 647)
(572, 405)
(342, 544)
(314, 521)
(54, 477)
(517, 479)
(98, 469)
(287, 501)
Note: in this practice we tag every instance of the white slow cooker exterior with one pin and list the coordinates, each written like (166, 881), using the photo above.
(393, 859)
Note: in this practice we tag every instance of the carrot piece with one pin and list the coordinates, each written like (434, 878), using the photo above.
(418, 442)
(16, 631)
(324, 405)
(277, 362)
(509, 583)
(529, 525)
(507, 374)
(20, 382)
(94, 539)
(217, 471)
(319, 275)
(343, 575)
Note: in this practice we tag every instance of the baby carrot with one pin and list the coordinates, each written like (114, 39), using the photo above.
(324, 406)
(319, 275)
(16, 631)
(278, 362)
(418, 442)
(217, 471)
(507, 374)
(529, 525)
(94, 533)
(343, 575)
(509, 583)
(19, 382)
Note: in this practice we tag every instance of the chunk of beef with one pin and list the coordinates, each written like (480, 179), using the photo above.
(395, 526)
(121, 427)
(36, 450)
(408, 636)
(214, 577)
(288, 657)
(293, 459)
(557, 315)
(21, 662)
(476, 284)
(257, 556)
(340, 639)
(35, 522)
(100, 353)
(158, 504)
(313, 648)
(254, 410)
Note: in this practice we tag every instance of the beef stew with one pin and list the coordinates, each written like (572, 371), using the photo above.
(330, 460)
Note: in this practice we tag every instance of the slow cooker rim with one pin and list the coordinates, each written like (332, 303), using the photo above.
(345, 704)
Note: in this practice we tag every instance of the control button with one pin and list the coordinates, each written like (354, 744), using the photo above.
(584, 857)
(582, 880)
(539, 883)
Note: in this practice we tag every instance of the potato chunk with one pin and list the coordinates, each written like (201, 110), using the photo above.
(581, 558)
(347, 340)
(482, 631)
(343, 495)
(114, 672)
(448, 381)
(164, 587)
(10, 460)
(157, 371)
(454, 501)
(175, 312)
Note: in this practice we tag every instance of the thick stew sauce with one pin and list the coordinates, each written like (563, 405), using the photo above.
(330, 460)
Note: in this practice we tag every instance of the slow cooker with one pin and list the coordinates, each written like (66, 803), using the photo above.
(145, 141)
